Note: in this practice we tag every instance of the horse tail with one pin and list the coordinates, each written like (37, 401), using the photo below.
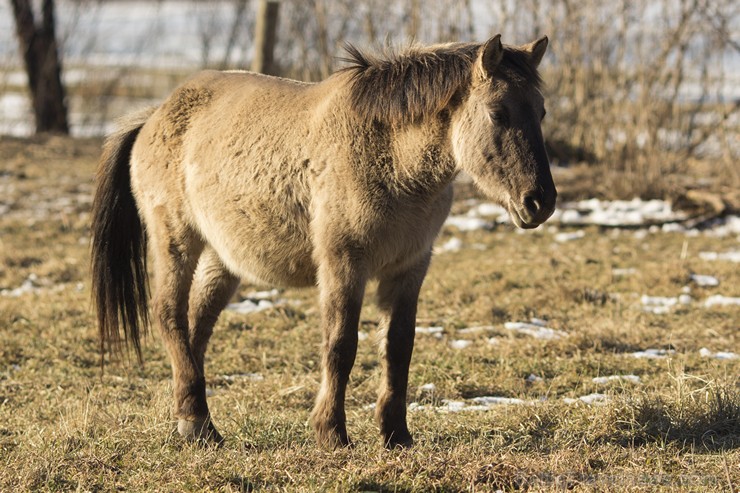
(118, 256)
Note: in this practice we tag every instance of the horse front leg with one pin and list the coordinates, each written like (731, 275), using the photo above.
(398, 295)
(341, 291)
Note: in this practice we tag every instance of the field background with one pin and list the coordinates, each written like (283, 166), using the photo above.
(648, 304)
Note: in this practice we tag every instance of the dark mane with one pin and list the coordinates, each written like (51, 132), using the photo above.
(417, 83)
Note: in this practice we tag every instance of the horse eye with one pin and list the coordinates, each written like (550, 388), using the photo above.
(499, 117)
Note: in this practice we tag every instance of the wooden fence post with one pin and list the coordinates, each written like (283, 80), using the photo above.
(264, 39)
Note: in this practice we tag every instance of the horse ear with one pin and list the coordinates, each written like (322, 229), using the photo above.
(536, 50)
(490, 56)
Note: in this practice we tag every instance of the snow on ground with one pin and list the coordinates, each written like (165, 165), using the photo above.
(460, 344)
(484, 403)
(236, 377)
(704, 280)
(719, 300)
(432, 331)
(729, 256)
(594, 398)
(36, 285)
(724, 355)
(465, 223)
(476, 330)
(251, 306)
(617, 378)
(564, 236)
(653, 353)
(258, 301)
(454, 244)
(633, 212)
(663, 304)
(535, 328)
(656, 215)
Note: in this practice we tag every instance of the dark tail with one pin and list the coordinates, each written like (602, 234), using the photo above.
(119, 275)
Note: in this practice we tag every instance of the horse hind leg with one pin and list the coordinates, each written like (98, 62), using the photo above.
(213, 286)
(176, 250)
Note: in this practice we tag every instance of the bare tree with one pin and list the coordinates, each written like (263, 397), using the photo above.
(43, 64)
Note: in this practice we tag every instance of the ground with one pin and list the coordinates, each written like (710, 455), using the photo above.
(672, 422)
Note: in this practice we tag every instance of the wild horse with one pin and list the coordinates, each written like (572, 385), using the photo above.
(243, 176)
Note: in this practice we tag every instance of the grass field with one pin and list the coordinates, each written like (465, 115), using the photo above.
(672, 425)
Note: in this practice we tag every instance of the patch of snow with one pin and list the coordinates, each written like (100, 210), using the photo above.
(731, 256)
(653, 353)
(362, 335)
(428, 387)
(484, 403)
(236, 377)
(725, 355)
(476, 330)
(535, 329)
(628, 271)
(369, 407)
(704, 280)
(466, 223)
(432, 331)
(489, 209)
(617, 378)
(660, 305)
(532, 378)
(616, 213)
(493, 341)
(263, 295)
(719, 300)
(594, 398)
(569, 236)
(249, 306)
(488, 400)
(454, 244)
(30, 285)
(726, 226)
(460, 344)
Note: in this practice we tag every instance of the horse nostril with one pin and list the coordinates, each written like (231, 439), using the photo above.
(532, 203)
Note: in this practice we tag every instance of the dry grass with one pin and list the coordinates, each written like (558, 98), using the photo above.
(66, 426)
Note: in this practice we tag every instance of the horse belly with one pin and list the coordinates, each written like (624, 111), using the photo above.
(262, 237)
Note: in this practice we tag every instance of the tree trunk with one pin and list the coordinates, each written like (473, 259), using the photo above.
(265, 35)
(43, 65)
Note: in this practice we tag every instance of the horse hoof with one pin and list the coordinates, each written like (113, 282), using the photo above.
(331, 439)
(400, 440)
(200, 431)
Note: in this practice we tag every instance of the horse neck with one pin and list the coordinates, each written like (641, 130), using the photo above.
(422, 156)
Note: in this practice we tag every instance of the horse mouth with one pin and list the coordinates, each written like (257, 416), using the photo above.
(522, 219)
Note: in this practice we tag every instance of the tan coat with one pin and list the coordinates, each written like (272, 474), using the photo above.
(243, 176)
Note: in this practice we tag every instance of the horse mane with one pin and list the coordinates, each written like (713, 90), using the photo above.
(419, 82)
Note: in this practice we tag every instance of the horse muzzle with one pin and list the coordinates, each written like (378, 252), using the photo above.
(532, 209)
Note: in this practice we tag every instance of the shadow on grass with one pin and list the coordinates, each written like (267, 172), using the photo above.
(712, 423)
(705, 422)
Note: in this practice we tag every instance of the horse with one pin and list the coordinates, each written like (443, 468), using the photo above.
(243, 176)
